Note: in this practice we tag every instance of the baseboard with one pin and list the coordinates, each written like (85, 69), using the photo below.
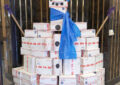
(113, 82)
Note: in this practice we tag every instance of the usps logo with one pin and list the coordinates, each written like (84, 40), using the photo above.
(90, 55)
(19, 73)
(63, 8)
(93, 31)
(39, 36)
(86, 83)
(62, 83)
(35, 32)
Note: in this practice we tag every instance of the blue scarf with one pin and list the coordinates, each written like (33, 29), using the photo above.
(69, 34)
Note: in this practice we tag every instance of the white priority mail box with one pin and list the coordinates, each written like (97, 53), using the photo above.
(99, 61)
(28, 76)
(24, 51)
(43, 44)
(47, 34)
(54, 54)
(80, 44)
(57, 66)
(20, 74)
(25, 42)
(87, 43)
(88, 33)
(48, 80)
(90, 53)
(100, 76)
(67, 80)
(44, 66)
(71, 66)
(16, 72)
(48, 46)
(56, 38)
(87, 79)
(37, 43)
(92, 43)
(87, 65)
(35, 53)
(60, 4)
(20, 81)
(56, 25)
(81, 25)
(41, 26)
(30, 33)
(27, 82)
(39, 53)
(17, 81)
(29, 64)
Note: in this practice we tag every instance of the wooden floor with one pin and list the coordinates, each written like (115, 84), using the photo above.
(118, 83)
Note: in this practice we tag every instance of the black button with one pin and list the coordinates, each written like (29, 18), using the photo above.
(61, 3)
(53, 3)
(57, 27)
(56, 4)
(57, 65)
(63, 8)
(86, 82)
(57, 43)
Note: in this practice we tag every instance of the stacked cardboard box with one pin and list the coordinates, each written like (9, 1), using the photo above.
(21, 77)
(42, 66)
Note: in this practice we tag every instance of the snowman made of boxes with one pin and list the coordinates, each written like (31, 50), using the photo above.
(42, 65)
